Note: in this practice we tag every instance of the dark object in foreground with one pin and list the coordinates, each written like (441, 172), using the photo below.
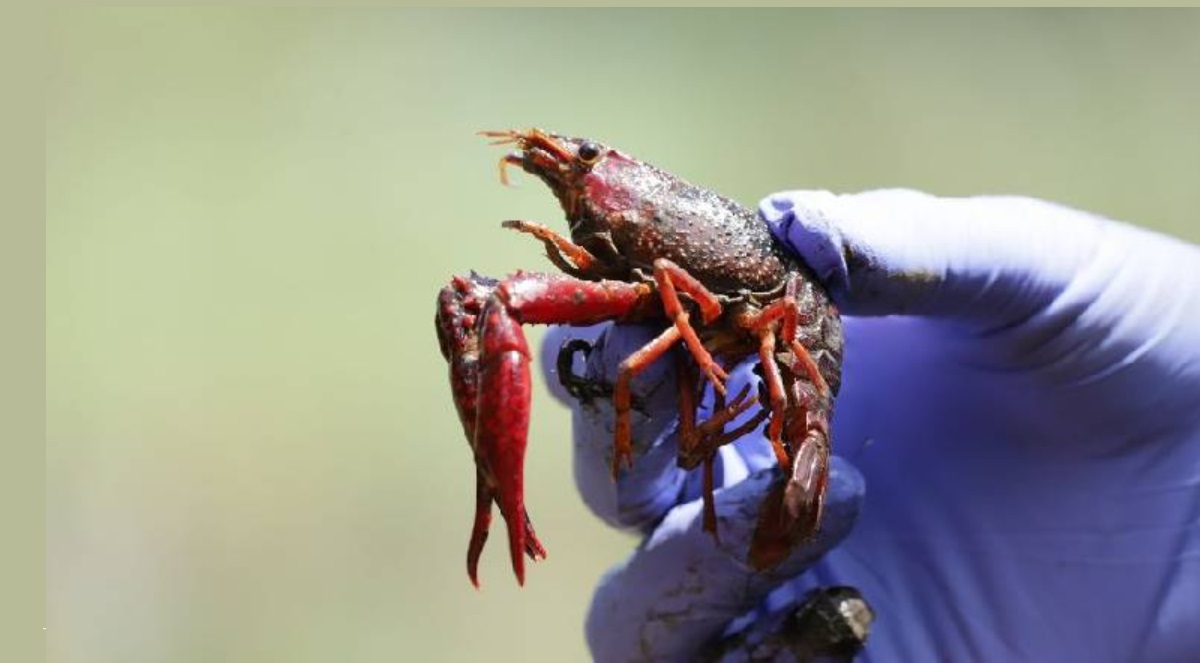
(645, 247)
(831, 624)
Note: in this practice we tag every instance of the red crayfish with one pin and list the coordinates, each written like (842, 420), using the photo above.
(648, 247)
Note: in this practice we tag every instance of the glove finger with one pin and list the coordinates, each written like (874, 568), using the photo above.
(1078, 299)
(680, 590)
(992, 260)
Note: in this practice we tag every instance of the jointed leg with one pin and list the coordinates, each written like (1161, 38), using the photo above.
(704, 439)
(622, 393)
(776, 395)
(670, 276)
(710, 502)
(689, 439)
(688, 389)
(558, 248)
(698, 444)
(787, 309)
(805, 365)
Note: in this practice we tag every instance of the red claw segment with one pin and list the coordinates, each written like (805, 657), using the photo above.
(502, 420)
(479, 360)
(560, 299)
(479, 329)
(483, 522)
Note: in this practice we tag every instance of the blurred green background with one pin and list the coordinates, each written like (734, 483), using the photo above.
(252, 452)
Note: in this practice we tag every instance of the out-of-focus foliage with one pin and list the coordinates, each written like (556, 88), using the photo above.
(252, 451)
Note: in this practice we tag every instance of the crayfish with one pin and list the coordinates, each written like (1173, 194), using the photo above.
(647, 247)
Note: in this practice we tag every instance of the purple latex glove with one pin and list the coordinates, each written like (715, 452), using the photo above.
(1021, 393)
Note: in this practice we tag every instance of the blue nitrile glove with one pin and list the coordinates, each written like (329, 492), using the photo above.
(1021, 392)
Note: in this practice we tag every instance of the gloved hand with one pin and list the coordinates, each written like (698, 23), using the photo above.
(1021, 394)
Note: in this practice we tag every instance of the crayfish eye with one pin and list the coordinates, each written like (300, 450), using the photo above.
(588, 153)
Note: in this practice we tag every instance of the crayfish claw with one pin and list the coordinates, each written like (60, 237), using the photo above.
(533, 547)
(479, 532)
(489, 377)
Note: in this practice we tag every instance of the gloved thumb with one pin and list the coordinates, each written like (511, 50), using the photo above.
(989, 260)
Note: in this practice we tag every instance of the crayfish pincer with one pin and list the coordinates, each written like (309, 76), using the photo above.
(647, 247)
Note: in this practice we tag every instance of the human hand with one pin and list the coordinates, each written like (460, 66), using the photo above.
(1021, 392)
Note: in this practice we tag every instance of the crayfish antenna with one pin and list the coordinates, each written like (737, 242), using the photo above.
(502, 137)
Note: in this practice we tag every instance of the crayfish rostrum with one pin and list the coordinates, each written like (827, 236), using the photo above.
(647, 247)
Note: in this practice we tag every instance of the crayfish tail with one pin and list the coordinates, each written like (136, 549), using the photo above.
(774, 536)
(792, 511)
